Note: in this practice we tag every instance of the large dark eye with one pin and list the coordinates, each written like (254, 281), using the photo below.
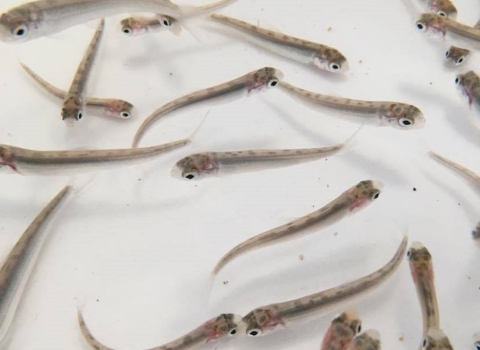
(79, 115)
(334, 66)
(405, 122)
(376, 195)
(457, 80)
(166, 22)
(477, 345)
(442, 14)
(254, 332)
(125, 115)
(272, 83)
(20, 31)
(191, 175)
(409, 253)
(420, 26)
(127, 30)
(359, 328)
(459, 60)
(424, 344)
(447, 54)
(233, 331)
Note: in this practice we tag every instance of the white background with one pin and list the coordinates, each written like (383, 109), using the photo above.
(136, 247)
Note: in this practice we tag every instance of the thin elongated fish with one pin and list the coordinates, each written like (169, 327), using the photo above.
(369, 340)
(110, 107)
(211, 331)
(443, 8)
(74, 101)
(469, 85)
(421, 267)
(46, 17)
(32, 162)
(433, 23)
(19, 263)
(258, 80)
(135, 26)
(269, 318)
(201, 165)
(342, 331)
(398, 115)
(300, 50)
(349, 202)
(472, 177)
(456, 55)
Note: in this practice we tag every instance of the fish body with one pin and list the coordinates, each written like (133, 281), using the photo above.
(342, 331)
(258, 80)
(46, 17)
(110, 107)
(303, 51)
(266, 319)
(398, 115)
(74, 102)
(215, 329)
(350, 201)
(19, 263)
(32, 162)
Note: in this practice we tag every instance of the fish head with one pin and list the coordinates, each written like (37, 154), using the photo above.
(444, 8)
(436, 340)
(264, 79)
(468, 84)
(170, 23)
(331, 60)
(19, 25)
(342, 330)
(402, 116)
(133, 26)
(7, 160)
(222, 326)
(432, 23)
(72, 110)
(420, 261)
(369, 340)
(456, 56)
(364, 193)
(119, 109)
(261, 321)
(195, 166)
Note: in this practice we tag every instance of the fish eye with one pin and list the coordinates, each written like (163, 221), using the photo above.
(79, 115)
(125, 115)
(20, 31)
(477, 345)
(447, 54)
(192, 175)
(376, 195)
(232, 331)
(166, 22)
(457, 80)
(272, 83)
(421, 26)
(359, 328)
(442, 14)
(334, 66)
(424, 344)
(459, 60)
(405, 122)
(127, 30)
(254, 332)
(409, 253)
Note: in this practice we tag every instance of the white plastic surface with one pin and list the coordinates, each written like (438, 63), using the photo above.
(135, 249)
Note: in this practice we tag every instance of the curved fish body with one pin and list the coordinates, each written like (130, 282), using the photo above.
(303, 51)
(109, 107)
(258, 80)
(266, 319)
(342, 331)
(421, 267)
(456, 56)
(59, 163)
(398, 115)
(46, 17)
(207, 164)
(369, 340)
(472, 177)
(215, 329)
(19, 263)
(74, 101)
(469, 85)
(350, 201)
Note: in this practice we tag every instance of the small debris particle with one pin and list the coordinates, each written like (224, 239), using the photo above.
(459, 204)
(469, 277)
(360, 61)
(171, 73)
(139, 179)
(329, 29)
(402, 338)
(328, 186)
(98, 300)
(414, 189)
(9, 134)
(301, 257)
(431, 83)
(326, 159)
(335, 234)
(225, 282)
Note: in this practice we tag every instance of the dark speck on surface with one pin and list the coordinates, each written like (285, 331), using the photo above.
(414, 189)
(171, 73)
(225, 282)
(431, 83)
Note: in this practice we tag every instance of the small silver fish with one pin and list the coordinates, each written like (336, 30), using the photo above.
(135, 26)
(202, 165)
(456, 55)
(369, 340)
(350, 201)
(46, 17)
(215, 329)
(303, 51)
(19, 263)
(398, 115)
(342, 331)
(110, 107)
(269, 318)
(421, 268)
(258, 80)
(469, 85)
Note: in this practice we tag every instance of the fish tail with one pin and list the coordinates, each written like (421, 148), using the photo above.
(350, 143)
(87, 335)
(194, 134)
